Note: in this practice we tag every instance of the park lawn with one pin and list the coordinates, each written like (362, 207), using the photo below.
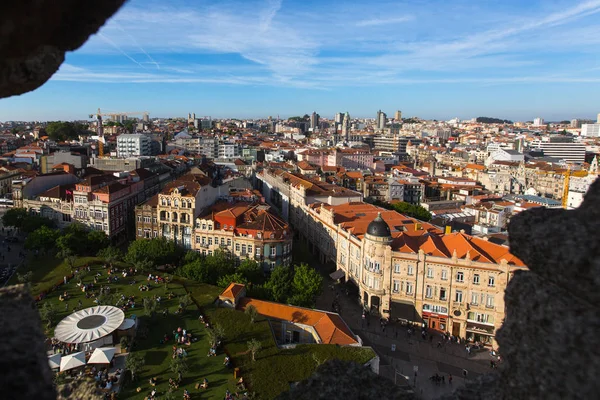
(157, 356)
(48, 271)
(274, 369)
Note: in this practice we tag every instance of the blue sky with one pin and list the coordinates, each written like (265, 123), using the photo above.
(434, 59)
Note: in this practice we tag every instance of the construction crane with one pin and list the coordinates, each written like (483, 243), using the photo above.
(114, 116)
(565, 196)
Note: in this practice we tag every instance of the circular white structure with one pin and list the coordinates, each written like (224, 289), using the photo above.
(89, 324)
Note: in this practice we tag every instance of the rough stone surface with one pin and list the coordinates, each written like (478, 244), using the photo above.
(24, 364)
(36, 34)
(552, 311)
(346, 380)
(80, 389)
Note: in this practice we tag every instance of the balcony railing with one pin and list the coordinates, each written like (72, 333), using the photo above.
(374, 270)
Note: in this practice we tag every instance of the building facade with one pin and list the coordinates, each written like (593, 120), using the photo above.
(245, 230)
(409, 270)
(133, 145)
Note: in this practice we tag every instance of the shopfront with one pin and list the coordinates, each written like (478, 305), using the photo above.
(482, 333)
(435, 317)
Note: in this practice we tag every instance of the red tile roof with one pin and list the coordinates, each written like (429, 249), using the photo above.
(330, 327)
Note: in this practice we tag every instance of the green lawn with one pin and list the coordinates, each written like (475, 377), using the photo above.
(156, 355)
(268, 376)
(274, 368)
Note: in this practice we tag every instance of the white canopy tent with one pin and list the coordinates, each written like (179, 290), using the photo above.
(102, 355)
(54, 360)
(89, 324)
(72, 361)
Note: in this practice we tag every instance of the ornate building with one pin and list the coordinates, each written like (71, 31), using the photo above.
(246, 230)
(409, 270)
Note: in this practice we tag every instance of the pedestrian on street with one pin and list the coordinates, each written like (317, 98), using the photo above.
(450, 379)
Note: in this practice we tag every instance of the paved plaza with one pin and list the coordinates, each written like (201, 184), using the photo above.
(401, 353)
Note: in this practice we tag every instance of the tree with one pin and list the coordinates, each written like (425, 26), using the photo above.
(251, 312)
(47, 313)
(185, 301)
(106, 299)
(280, 283)
(43, 239)
(134, 363)
(34, 222)
(254, 347)
(25, 279)
(150, 306)
(71, 260)
(61, 131)
(110, 255)
(156, 251)
(251, 271)
(14, 217)
(215, 334)
(226, 280)
(179, 365)
(307, 285)
(96, 240)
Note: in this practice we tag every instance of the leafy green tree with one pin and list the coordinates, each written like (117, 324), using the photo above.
(134, 364)
(48, 313)
(157, 251)
(254, 347)
(307, 285)
(43, 239)
(150, 306)
(215, 334)
(110, 255)
(96, 240)
(71, 261)
(251, 312)
(226, 280)
(74, 239)
(14, 217)
(280, 283)
(61, 131)
(179, 365)
(34, 222)
(107, 299)
(251, 271)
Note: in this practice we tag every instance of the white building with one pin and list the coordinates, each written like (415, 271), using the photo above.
(133, 145)
(538, 121)
(562, 150)
(590, 130)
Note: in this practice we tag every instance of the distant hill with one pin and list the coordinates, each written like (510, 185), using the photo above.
(488, 120)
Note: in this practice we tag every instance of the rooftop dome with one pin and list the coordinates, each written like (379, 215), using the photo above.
(378, 227)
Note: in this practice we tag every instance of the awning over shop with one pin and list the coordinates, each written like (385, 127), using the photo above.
(480, 328)
(404, 312)
(339, 274)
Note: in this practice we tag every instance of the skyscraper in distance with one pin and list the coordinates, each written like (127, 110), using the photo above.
(346, 126)
(314, 120)
(381, 119)
(398, 115)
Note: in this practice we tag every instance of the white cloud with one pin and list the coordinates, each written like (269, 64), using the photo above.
(385, 21)
(304, 47)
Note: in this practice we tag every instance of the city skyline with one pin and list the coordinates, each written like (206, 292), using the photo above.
(241, 59)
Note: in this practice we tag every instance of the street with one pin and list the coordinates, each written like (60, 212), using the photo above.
(408, 359)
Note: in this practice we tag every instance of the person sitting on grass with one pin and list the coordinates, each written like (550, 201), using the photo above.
(227, 361)
(240, 384)
(204, 384)
(153, 381)
(186, 395)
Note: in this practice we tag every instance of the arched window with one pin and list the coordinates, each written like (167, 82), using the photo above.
(175, 203)
(174, 217)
